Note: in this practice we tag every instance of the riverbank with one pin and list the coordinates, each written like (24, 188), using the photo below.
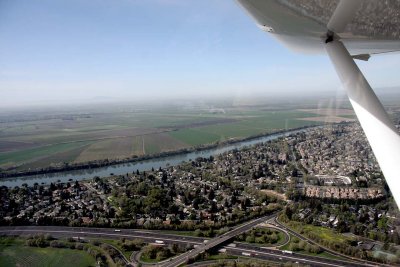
(106, 162)
(123, 167)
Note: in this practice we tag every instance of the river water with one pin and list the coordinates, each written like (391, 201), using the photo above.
(143, 165)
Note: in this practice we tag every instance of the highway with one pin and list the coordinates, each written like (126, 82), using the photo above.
(180, 259)
(82, 232)
(240, 249)
(277, 255)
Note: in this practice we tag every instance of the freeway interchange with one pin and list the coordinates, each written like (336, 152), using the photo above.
(201, 244)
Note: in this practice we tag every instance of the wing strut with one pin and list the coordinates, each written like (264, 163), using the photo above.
(382, 135)
(343, 14)
(379, 129)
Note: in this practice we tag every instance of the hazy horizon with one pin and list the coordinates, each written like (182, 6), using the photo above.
(71, 52)
(331, 99)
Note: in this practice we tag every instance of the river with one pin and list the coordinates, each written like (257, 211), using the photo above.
(143, 165)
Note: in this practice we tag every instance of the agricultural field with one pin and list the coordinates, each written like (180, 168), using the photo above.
(111, 148)
(51, 138)
(23, 256)
(330, 115)
(194, 137)
(156, 143)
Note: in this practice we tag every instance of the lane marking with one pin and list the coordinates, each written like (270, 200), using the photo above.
(108, 234)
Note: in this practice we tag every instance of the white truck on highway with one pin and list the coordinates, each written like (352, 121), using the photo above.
(159, 242)
(287, 252)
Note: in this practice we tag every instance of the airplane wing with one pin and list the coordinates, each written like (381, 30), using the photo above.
(344, 30)
(365, 26)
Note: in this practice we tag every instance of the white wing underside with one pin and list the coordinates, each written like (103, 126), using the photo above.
(302, 24)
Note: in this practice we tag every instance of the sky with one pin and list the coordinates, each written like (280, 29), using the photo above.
(64, 51)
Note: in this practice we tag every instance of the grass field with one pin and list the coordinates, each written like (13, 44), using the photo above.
(322, 232)
(39, 140)
(11, 256)
(325, 233)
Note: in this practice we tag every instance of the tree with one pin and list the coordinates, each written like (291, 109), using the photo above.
(288, 212)
(250, 239)
(213, 208)
(156, 201)
(211, 194)
(195, 203)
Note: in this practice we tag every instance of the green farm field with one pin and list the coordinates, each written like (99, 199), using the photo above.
(22, 256)
(47, 138)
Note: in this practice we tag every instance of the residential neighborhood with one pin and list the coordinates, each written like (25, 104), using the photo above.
(332, 162)
(322, 176)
